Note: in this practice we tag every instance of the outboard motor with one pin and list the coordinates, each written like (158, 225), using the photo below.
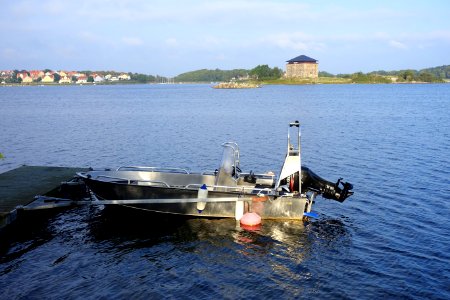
(338, 191)
(309, 182)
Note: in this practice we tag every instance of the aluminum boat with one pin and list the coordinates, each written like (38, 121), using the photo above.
(225, 192)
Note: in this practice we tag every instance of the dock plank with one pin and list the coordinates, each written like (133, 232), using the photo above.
(19, 186)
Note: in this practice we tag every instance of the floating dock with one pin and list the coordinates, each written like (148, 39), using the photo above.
(18, 187)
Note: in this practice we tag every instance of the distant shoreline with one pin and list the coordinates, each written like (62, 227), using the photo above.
(261, 83)
(81, 84)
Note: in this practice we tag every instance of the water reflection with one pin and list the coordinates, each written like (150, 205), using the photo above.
(132, 229)
(205, 257)
(139, 229)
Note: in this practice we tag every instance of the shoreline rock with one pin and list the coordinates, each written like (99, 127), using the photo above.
(235, 85)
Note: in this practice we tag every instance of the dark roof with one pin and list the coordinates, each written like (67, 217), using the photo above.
(302, 58)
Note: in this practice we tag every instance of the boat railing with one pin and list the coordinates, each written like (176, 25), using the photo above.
(225, 188)
(243, 189)
(154, 169)
(128, 180)
(213, 173)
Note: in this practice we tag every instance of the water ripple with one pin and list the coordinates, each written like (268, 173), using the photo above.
(389, 240)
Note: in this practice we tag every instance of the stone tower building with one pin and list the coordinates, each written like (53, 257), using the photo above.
(302, 67)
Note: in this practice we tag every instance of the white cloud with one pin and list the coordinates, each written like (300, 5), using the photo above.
(54, 7)
(296, 41)
(237, 32)
(441, 35)
(171, 42)
(210, 42)
(88, 36)
(243, 12)
(9, 53)
(198, 43)
(132, 41)
(90, 39)
(23, 8)
(220, 56)
(397, 44)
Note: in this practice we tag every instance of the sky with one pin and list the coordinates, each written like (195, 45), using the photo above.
(171, 37)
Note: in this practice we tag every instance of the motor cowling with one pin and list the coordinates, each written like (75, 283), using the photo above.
(338, 191)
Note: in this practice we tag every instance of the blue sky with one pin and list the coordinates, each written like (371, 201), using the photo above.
(171, 37)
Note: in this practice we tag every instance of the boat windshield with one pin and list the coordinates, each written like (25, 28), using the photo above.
(230, 160)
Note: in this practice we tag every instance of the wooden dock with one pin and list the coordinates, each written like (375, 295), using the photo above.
(18, 187)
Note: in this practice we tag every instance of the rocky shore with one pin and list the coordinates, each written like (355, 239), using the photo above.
(236, 85)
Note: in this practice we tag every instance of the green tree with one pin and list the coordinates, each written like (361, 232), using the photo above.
(90, 79)
(56, 77)
(425, 77)
(325, 74)
(263, 72)
(14, 78)
(360, 77)
(205, 75)
(277, 72)
(260, 72)
(140, 78)
(407, 75)
(88, 73)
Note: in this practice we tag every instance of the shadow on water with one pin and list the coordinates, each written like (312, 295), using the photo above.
(127, 223)
(29, 232)
(328, 230)
(124, 245)
(146, 229)
(124, 224)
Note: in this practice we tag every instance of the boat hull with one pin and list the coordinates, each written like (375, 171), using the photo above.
(267, 207)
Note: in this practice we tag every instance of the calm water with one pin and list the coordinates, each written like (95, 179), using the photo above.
(391, 239)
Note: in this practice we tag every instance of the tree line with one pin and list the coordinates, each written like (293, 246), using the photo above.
(260, 72)
(216, 75)
(396, 76)
(264, 72)
(436, 74)
(441, 72)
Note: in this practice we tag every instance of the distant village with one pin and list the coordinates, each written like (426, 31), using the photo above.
(298, 67)
(299, 70)
(60, 77)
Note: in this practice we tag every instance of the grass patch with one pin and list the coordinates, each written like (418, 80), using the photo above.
(319, 80)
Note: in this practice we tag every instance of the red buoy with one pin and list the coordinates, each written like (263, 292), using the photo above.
(251, 221)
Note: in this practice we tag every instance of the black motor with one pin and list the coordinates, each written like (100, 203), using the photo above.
(314, 183)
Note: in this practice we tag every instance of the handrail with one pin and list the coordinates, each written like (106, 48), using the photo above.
(155, 169)
(242, 189)
(137, 180)
(263, 176)
(236, 188)
(209, 172)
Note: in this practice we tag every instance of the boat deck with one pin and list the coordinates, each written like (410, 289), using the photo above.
(19, 186)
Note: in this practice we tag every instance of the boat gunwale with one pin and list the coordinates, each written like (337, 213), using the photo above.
(239, 190)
